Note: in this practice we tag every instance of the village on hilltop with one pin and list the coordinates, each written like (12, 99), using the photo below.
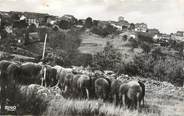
(11, 20)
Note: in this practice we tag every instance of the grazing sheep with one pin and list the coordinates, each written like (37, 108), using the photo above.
(131, 93)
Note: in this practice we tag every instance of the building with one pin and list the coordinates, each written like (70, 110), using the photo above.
(32, 21)
(165, 37)
(52, 19)
(116, 26)
(121, 25)
(141, 27)
(127, 35)
(180, 33)
(30, 17)
(36, 18)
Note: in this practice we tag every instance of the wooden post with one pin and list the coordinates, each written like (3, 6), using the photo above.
(45, 41)
(43, 55)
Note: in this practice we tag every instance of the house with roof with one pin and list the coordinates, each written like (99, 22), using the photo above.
(127, 35)
(141, 27)
(37, 18)
(121, 25)
(178, 36)
(117, 27)
(51, 19)
(180, 33)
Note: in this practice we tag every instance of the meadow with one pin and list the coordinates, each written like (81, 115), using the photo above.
(154, 106)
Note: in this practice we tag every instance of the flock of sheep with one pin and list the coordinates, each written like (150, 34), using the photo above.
(75, 82)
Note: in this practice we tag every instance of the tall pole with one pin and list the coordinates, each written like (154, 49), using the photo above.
(45, 41)
(43, 55)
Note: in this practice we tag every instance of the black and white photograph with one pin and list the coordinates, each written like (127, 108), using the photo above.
(92, 57)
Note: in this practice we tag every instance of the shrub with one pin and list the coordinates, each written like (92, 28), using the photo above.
(65, 45)
(6, 56)
(42, 31)
(64, 24)
(89, 22)
(104, 31)
(25, 104)
(108, 59)
(125, 37)
(127, 68)
(98, 30)
(82, 59)
(80, 22)
(95, 22)
(32, 28)
(145, 37)
(7, 42)
(162, 68)
(145, 46)
(133, 42)
(132, 26)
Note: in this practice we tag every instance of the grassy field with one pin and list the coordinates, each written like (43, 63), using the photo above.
(92, 43)
(161, 99)
(154, 106)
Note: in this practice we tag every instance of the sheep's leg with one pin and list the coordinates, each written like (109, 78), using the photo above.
(114, 99)
(143, 101)
(123, 101)
(42, 82)
(138, 105)
(137, 101)
(87, 93)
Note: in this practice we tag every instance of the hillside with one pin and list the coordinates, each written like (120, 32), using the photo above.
(92, 43)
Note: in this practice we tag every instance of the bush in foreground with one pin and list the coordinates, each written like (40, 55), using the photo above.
(26, 102)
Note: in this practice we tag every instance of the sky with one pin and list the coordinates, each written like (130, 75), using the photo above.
(165, 15)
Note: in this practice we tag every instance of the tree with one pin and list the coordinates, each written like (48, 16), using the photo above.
(95, 22)
(64, 24)
(132, 26)
(124, 28)
(109, 29)
(146, 47)
(125, 37)
(156, 52)
(15, 16)
(32, 28)
(133, 43)
(107, 59)
(89, 22)
(80, 22)
(65, 44)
